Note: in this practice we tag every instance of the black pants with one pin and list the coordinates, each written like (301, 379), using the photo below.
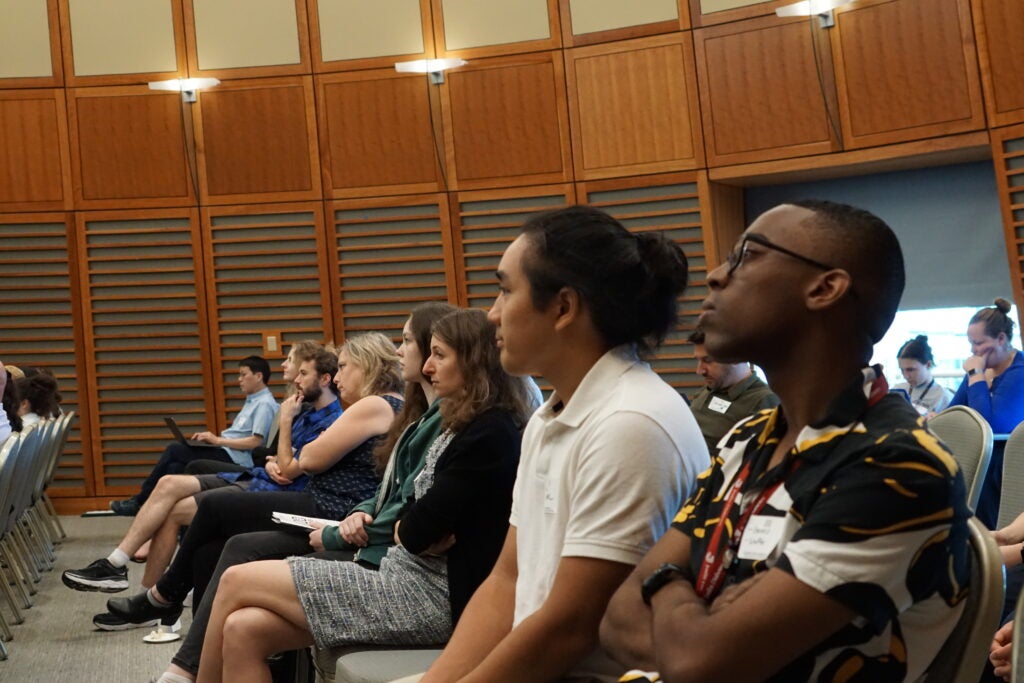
(174, 460)
(219, 516)
(261, 545)
(213, 467)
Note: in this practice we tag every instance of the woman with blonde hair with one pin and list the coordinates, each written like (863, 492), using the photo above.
(446, 542)
(339, 463)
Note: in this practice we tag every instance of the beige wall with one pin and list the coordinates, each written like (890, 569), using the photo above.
(589, 16)
(239, 33)
(474, 23)
(709, 6)
(122, 36)
(24, 40)
(354, 29)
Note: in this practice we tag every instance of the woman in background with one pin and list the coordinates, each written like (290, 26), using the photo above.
(40, 398)
(916, 363)
(994, 386)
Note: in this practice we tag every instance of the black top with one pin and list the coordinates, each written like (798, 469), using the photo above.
(471, 497)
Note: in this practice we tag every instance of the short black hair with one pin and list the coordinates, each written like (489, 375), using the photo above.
(629, 282)
(865, 246)
(916, 349)
(696, 337)
(257, 364)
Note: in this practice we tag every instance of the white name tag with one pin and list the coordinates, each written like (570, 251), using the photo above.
(760, 537)
(719, 405)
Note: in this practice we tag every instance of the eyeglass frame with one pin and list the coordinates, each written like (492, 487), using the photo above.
(736, 256)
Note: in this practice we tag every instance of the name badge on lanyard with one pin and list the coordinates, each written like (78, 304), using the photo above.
(760, 537)
(719, 405)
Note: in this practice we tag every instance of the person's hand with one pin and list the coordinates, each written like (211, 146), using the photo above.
(1011, 554)
(1000, 653)
(352, 529)
(274, 472)
(732, 593)
(1011, 533)
(290, 407)
(207, 437)
(316, 538)
(975, 363)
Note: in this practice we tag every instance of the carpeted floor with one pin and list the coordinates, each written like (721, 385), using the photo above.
(58, 642)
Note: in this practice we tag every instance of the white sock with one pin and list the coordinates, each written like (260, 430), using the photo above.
(118, 558)
(168, 677)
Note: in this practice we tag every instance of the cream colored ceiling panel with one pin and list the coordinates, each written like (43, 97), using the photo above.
(24, 40)
(231, 34)
(474, 23)
(710, 6)
(589, 16)
(122, 36)
(356, 29)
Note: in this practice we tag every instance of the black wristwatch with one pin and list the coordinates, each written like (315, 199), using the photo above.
(972, 372)
(660, 577)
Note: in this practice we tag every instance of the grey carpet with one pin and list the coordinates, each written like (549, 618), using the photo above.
(58, 642)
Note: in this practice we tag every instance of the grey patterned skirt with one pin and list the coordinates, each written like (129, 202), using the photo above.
(405, 602)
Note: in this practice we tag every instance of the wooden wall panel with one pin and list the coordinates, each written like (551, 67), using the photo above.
(999, 28)
(387, 255)
(1008, 159)
(266, 275)
(507, 122)
(144, 321)
(128, 148)
(35, 166)
(634, 107)
(484, 223)
(926, 88)
(671, 204)
(760, 94)
(259, 141)
(41, 324)
(380, 133)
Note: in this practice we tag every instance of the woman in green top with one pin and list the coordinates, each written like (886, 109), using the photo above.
(400, 455)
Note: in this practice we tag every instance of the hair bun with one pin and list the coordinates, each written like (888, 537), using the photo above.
(1002, 304)
(922, 338)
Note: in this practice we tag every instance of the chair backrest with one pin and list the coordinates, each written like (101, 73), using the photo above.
(21, 485)
(60, 442)
(47, 444)
(965, 652)
(1011, 501)
(8, 462)
(968, 435)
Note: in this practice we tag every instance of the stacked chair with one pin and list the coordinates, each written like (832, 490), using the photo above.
(29, 527)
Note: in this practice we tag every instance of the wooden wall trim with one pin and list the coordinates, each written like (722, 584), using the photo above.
(951, 149)
(1012, 211)
(386, 62)
(570, 39)
(553, 42)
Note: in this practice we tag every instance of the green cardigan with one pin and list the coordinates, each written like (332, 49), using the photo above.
(395, 491)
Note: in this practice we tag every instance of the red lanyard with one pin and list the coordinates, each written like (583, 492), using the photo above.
(713, 565)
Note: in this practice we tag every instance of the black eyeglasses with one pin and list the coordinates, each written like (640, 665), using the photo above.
(736, 256)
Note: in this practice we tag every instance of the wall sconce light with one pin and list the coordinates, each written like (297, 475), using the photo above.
(806, 8)
(434, 67)
(186, 86)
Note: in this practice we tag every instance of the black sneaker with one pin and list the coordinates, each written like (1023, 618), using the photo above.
(125, 508)
(109, 622)
(98, 576)
(138, 608)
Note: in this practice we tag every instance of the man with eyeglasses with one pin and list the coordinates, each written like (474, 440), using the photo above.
(828, 541)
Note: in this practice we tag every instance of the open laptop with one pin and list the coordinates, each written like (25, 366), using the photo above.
(180, 438)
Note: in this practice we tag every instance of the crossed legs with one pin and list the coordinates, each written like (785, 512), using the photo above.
(256, 613)
(170, 506)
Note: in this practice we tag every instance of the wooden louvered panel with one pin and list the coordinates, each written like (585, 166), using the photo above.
(485, 223)
(670, 204)
(144, 318)
(39, 329)
(1008, 160)
(387, 256)
(265, 273)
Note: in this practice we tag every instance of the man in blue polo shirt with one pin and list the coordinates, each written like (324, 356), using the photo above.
(234, 445)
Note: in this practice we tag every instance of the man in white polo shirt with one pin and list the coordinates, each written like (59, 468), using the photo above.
(604, 460)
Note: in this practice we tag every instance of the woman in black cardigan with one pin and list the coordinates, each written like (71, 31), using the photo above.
(447, 539)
